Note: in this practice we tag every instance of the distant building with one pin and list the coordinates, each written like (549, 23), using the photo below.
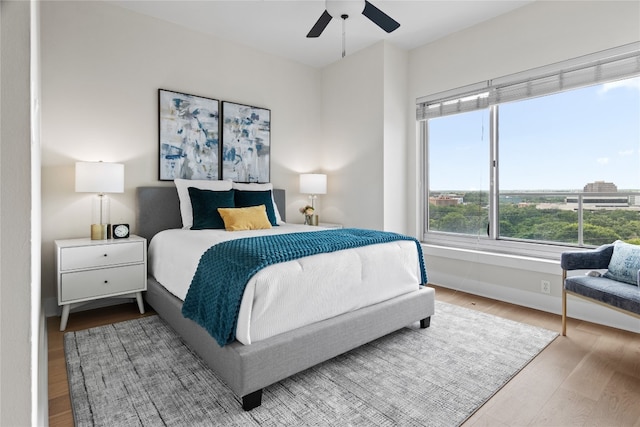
(601, 187)
(450, 200)
(590, 202)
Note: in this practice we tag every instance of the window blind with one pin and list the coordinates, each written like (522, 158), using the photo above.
(607, 66)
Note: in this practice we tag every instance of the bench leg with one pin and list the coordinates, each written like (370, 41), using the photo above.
(252, 400)
(564, 304)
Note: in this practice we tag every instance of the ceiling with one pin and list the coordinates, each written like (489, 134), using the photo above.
(279, 27)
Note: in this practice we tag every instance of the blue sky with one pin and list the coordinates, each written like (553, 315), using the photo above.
(557, 142)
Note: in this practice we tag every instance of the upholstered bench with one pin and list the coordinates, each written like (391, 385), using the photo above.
(617, 288)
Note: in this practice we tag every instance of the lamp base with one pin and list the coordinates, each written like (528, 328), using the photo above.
(98, 231)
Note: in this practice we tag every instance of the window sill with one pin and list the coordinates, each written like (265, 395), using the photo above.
(482, 244)
(515, 261)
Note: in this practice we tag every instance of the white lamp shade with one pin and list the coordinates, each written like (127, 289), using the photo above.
(99, 177)
(313, 183)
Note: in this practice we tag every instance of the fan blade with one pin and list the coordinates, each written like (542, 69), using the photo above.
(379, 18)
(322, 23)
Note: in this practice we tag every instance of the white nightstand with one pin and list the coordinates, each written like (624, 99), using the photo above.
(93, 269)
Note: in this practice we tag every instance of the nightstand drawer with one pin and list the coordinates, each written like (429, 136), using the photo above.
(74, 258)
(107, 281)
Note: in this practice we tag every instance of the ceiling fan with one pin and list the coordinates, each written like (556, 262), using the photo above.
(342, 9)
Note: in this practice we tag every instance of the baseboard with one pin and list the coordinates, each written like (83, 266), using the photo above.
(577, 308)
(51, 307)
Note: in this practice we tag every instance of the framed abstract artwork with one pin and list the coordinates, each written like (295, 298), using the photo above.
(246, 143)
(189, 134)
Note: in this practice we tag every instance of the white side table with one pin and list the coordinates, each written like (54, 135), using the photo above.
(88, 270)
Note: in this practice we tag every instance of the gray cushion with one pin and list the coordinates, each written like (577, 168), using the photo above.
(608, 291)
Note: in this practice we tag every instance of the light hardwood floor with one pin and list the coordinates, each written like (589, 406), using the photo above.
(591, 377)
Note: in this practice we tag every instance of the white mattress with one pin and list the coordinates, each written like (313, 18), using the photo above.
(286, 296)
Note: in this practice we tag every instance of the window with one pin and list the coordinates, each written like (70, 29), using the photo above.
(549, 159)
(457, 201)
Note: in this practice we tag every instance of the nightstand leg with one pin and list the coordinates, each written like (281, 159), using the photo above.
(140, 302)
(65, 317)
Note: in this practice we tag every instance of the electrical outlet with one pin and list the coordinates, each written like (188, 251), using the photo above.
(545, 286)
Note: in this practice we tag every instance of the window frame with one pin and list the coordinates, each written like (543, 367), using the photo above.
(490, 95)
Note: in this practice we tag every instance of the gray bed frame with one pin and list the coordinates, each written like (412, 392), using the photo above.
(247, 369)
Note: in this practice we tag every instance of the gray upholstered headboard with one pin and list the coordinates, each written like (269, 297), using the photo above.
(158, 208)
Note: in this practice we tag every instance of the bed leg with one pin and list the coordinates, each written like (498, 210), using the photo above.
(424, 323)
(252, 400)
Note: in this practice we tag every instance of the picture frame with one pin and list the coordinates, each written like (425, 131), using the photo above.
(189, 136)
(246, 143)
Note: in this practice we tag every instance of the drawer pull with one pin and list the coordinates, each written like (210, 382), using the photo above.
(105, 255)
(106, 281)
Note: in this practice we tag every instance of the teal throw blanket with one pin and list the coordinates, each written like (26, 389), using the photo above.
(214, 297)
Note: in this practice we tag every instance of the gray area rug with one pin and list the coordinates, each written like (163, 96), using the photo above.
(139, 372)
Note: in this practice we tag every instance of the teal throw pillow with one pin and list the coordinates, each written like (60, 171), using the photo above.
(245, 199)
(205, 204)
(624, 263)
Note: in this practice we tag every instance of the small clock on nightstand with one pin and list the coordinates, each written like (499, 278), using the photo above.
(119, 231)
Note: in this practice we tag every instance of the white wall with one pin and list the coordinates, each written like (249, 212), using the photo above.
(364, 140)
(539, 34)
(353, 138)
(20, 315)
(396, 73)
(101, 69)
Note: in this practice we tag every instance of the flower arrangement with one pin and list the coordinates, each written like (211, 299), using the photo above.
(307, 211)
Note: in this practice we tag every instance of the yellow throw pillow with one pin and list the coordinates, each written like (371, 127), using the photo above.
(251, 218)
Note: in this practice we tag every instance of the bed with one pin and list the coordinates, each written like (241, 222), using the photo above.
(247, 369)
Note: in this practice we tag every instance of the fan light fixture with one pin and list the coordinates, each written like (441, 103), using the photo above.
(350, 8)
(343, 9)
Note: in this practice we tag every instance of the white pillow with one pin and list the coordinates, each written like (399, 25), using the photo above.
(259, 187)
(182, 185)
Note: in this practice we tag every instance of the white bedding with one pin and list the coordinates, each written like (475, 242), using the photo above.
(286, 296)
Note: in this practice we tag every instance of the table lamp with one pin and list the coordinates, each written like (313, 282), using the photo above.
(313, 184)
(100, 178)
